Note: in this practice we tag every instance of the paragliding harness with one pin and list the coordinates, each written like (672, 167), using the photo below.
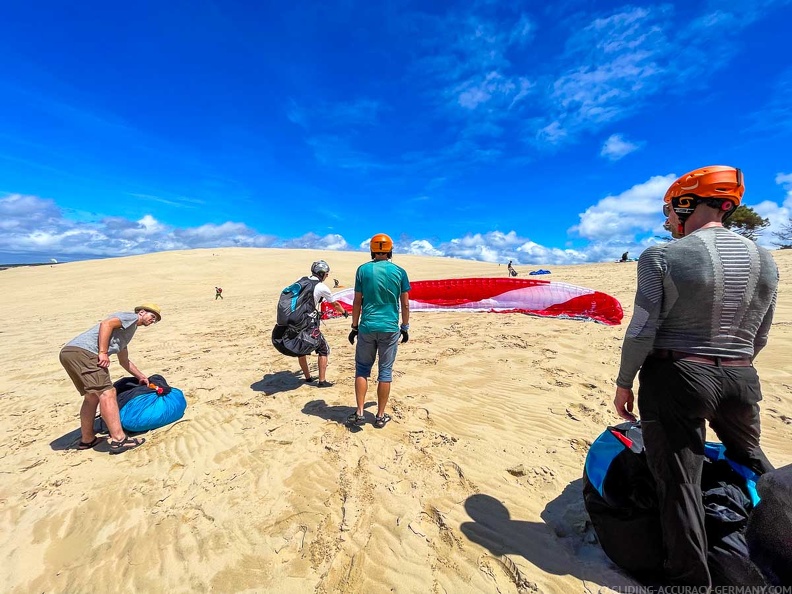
(142, 408)
(296, 332)
(620, 498)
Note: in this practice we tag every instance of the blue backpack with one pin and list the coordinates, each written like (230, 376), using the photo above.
(297, 332)
(296, 303)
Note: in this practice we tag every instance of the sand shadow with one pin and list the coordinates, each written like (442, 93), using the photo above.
(281, 381)
(69, 441)
(338, 414)
(561, 545)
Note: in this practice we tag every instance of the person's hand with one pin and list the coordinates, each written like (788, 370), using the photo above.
(104, 360)
(623, 402)
(405, 332)
(143, 381)
(345, 314)
(353, 334)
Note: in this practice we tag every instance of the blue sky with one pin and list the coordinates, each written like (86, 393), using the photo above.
(545, 133)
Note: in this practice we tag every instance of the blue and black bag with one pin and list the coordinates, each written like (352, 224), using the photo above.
(621, 500)
(297, 332)
(143, 408)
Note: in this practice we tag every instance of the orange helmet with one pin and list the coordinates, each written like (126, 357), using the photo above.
(716, 181)
(381, 244)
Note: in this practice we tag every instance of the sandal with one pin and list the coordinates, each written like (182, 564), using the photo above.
(128, 443)
(379, 422)
(89, 445)
(309, 380)
(355, 419)
(324, 384)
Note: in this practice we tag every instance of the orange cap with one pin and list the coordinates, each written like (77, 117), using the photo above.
(716, 181)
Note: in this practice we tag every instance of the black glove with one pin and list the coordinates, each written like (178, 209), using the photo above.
(405, 336)
(352, 335)
(346, 314)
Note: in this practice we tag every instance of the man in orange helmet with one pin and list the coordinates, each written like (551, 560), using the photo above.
(703, 310)
(381, 289)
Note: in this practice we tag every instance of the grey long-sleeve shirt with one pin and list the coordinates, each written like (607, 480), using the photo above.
(713, 293)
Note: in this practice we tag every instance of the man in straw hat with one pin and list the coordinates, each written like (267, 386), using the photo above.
(87, 359)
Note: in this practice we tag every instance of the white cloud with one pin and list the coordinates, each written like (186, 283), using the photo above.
(468, 56)
(784, 179)
(617, 147)
(637, 210)
(779, 215)
(496, 246)
(33, 225)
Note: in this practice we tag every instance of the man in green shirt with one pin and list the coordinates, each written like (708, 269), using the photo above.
(381, 290)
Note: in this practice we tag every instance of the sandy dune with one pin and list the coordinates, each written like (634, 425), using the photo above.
(473, 487)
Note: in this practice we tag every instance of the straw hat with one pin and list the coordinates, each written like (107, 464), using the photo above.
(152, 307)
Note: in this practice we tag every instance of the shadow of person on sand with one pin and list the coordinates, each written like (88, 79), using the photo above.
(562, 545)
(339, 414)
(69, 440)
(280, 381)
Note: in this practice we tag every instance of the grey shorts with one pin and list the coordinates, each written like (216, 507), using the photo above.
(84, 371)
(381, 345)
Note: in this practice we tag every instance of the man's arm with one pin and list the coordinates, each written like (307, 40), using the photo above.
(640, 336)
(760, 340)
(405, 308)
(323, 291)
(105, 332)
(357, 304)
(123, 359)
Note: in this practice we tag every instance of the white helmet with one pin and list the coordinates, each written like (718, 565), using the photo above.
(320, 268)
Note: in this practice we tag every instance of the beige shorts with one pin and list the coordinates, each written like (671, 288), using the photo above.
(84, 371)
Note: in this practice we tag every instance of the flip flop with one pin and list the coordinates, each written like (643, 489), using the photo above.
(90, 445)
(379, 422)
(128, 443)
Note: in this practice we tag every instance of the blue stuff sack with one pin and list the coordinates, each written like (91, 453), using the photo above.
(151, 410)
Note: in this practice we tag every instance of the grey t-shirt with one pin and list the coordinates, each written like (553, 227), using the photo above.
(712, 293)
(119, 339)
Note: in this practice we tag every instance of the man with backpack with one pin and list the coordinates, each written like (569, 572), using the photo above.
(297, 333)
(381, 288)
(703, 310)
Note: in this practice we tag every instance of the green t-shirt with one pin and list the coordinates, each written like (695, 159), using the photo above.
(381, 282)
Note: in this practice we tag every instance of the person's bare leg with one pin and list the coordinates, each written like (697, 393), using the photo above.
(361, 387)
(87, 416)
(322, 367)
(383, 392)
(108, 408)
(304, 366)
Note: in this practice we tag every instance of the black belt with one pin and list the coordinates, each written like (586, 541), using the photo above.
(703, 359)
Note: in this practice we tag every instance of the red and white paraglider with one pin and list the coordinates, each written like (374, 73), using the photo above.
(505, 295)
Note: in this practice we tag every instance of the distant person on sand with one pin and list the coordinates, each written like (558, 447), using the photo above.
(511, 270)
(87, 358)
(335, 283)
(703, 310)
(624, 256)
(218, 293)
(381, 288)
(321, 292)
